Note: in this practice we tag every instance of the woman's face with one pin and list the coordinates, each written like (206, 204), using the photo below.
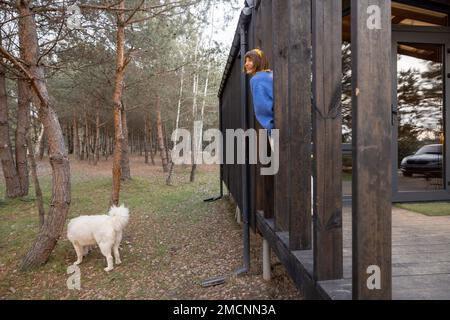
(249, 67)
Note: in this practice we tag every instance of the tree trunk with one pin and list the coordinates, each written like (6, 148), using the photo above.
(83, 140)
(193, 169)
(40, 137)
(137, 142)
(194, 132)
(169, 177)
(117, 105)
(88, 139)
(69, 138)
(166, 143)
(194, 117)
(111, 145)
(130, 146)
(76, 138)
(141, 144)
(93, 139)
(37, 186)
(106, 141)
(125, 162)
(60, 201)
(197, 136)
(107, 144)
(12, 182)
(23, 125)
(42, 144)
(145, 140)
(162, 148)
(97, 137)
(150, 139)
(34, 122)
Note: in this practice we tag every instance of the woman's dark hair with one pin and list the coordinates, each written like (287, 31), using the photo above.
(259, 59)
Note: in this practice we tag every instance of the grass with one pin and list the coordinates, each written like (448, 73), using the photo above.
(429, 208)
(148, 199)
(174, 240)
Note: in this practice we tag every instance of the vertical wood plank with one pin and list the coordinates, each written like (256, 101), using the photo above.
(251, 121)
(264, 24)
(327, 87)
(261, 21)
(300, 124)
(371, 58)
(259, 180)
(280, 24)
(264, 193)
(264, 28)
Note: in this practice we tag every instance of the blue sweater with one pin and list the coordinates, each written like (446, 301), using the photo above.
(262, 91)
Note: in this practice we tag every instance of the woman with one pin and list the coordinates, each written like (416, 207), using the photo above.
(261, 85)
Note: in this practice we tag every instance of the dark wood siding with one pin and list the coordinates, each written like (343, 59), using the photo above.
(327, 122)
(371, 98)
(300, 124)
(232, 119)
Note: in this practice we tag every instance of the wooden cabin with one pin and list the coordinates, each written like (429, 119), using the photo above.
(390, 93)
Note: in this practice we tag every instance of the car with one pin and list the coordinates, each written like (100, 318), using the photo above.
(426, 161)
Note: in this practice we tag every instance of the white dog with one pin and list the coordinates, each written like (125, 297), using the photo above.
(104, 230)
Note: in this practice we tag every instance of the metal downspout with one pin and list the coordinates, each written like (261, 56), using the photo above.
(245, 197)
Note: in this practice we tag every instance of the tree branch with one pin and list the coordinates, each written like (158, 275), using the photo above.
(134, 12)
(24, 70)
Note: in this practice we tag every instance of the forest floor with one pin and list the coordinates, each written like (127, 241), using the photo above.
(173, 242)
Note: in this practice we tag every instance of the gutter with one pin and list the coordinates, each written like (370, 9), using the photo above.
(244, 20)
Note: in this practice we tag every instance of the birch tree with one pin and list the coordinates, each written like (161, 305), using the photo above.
(177, 122)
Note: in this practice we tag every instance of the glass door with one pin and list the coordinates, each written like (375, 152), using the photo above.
(419, 123)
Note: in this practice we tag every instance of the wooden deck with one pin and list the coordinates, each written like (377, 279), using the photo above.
(420, 258)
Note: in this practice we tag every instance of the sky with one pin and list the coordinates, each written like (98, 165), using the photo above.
(224, 32)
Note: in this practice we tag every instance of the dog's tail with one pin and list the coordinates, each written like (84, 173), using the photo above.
(119, 217)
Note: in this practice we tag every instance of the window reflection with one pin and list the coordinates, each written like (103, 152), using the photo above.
(420, 116)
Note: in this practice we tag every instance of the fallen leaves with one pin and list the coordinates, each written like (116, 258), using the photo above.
(173, 242)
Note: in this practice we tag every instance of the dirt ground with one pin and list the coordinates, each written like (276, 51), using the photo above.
(173, 242)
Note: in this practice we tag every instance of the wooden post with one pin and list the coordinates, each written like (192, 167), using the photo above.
(300, 124)
(280, 12)
(262, 32)
(371, 190)
(264, 193)
(327, 131)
